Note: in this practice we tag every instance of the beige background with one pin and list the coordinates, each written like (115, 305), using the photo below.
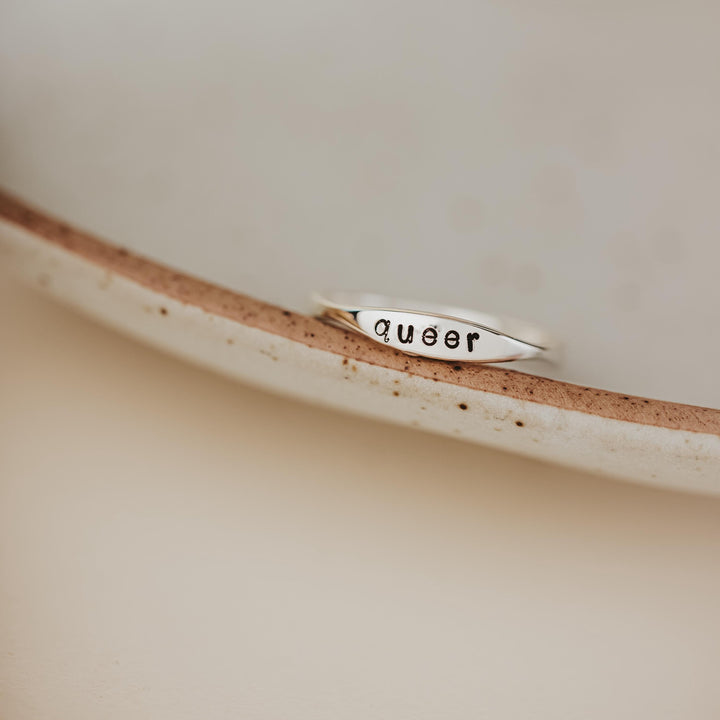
(176, 546)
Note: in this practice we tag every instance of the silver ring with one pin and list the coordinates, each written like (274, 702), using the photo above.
(440, 332)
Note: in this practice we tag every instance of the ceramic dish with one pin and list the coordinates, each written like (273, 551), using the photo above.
(652, 441)
(557, 164)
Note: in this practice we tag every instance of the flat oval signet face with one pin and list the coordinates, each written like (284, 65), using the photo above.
(443, 338)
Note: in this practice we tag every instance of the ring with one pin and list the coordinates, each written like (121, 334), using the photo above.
(440, 332)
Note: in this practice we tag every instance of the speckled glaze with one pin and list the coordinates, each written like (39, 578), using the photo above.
(629, 437)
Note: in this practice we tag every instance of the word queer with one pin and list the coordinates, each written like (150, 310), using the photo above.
(429, 335)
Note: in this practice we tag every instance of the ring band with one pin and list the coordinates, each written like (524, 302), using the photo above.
(440, 332)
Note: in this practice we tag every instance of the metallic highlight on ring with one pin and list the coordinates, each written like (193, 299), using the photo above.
(445, 333)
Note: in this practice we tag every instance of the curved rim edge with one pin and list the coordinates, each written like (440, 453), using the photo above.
(314, 333)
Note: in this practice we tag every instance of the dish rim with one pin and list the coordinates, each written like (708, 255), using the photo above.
(314, 333)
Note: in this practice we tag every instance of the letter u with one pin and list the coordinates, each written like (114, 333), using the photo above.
(408, 338)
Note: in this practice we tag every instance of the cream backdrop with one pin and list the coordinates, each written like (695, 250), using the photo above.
(176, 546)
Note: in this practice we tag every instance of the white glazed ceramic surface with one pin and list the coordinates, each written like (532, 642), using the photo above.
(556, 162)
